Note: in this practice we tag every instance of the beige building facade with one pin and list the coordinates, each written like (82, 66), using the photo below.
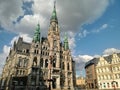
(43, 64)
(80, 82)
(108, 72)
(105, 71)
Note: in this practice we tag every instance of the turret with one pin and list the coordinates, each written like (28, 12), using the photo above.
(36, 37)
(54, 15)
(66, 45)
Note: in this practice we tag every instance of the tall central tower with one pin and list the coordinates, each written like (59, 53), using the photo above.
(54, 33)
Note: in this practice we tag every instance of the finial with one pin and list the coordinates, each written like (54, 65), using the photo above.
(54, 3)
(65, 36)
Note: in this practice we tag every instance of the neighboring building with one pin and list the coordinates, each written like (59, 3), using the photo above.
(80, 82)
(103, 72)
(108, 72)
(91, 79)
(44, 63)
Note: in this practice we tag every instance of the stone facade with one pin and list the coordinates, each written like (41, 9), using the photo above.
(43, 64)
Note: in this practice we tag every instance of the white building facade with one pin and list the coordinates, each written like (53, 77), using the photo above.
(108, 72)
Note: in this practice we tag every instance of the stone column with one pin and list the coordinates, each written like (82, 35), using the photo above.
(58, 60)
(43, 63)
(71, 80)
(66, 73)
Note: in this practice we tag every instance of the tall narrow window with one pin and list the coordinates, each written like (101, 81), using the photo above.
(20, 62)
(46, 63)
(35, 61)
(54, 63)
(62, 65)
(25, 62)
(41, 62)
(68, 67)
(37, 52)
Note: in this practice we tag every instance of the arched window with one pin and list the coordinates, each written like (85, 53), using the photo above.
(62, 65)
(35, 61)
(46, 63)
(20, 62)
(54, 63)
(68, 67)
(20, 72)
(25, 62)
(46, 54)
(42, 53)
(41, 62)
(34, 51)
(37, 52)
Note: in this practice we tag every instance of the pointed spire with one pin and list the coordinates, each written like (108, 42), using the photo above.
(36, 37)
(54, 14)
(66, 46)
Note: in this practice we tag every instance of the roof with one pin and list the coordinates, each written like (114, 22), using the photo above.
(91, 62)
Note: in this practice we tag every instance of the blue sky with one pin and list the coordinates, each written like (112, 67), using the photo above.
(97, 42)
(92, 26)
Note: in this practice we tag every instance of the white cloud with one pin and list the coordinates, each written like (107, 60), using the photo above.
(29, 22)
(6, 49)
(2, 61)
(71, 14)
(81, 60)
(3, 56)
(110, 51)
(71, 40)
(104, 26)
(83, 33)
(9, 12)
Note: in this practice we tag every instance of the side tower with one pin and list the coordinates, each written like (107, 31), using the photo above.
(69, 64)
(35, 75)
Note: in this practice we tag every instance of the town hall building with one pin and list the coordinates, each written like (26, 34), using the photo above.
(44, 64)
